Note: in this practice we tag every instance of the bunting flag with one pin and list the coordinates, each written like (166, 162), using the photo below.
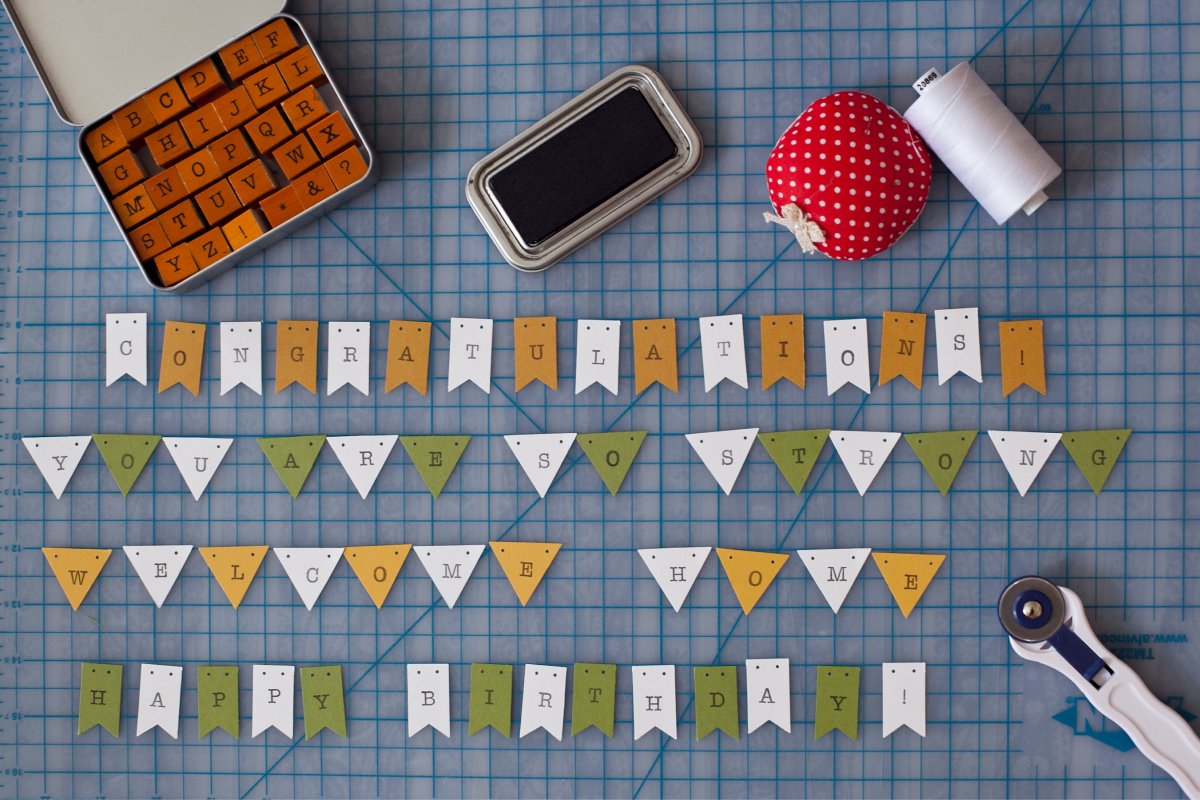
(217, 700)
(1024, 453)
(837, 701)
(491, 698)
(158, 566)
(835, 571)
(612, 454)
(864, 454)
(408, 355)
(1094, 452)
(541, 455)
(349, 354)
(197, 459)
(363, 458)
(597, 350)
(723, 348)
(241, 356)
(182, 356)
(158, 699)
(750, 573)
(234, 568)
(543, 700)
(595, 698)
(126, 455)
(293, 458)
(654, 354)
(125, 351)
(273, 698)
(309, 569)
(1022, 356)
(76, 569)
(724, 453)
(675, 570)
(908, 575)
(296, 354)
(654, 699)
(435, 457)
(782, 349)
(902, 349)
(795, 453)
(470, 353)
(942, 453)
(716, 700)
(428, 690)
(377, 567)
(525, 564)
(100, 697)
(324, 700)
(768, 693)
(846, 355)
(449, 567)
(957, 332)
(535, 351)
(57, 458)
(903, 697)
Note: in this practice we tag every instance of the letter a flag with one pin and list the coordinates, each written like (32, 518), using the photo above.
(158, 699)
(768, 693)
(908, 575)
(377, 567)
(525, 564)
(1096, 452)
(293, 458)
(76, 568)
(750, 573)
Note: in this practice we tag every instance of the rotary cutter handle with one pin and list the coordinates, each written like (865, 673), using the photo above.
(1047, 624)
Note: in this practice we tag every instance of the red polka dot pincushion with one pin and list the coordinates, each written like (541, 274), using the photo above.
(848, 177)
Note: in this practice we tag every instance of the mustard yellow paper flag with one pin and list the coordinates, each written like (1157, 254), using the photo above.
(535, 350)
(908, 575)
(296, 354)
(408, 355)
(76, 568)
(750, 572)
(1022, 356)
(377, 567)
(782, 349)
(902, 347)
(182, 356)
(525, 564)
(234, 568)
(654, 357)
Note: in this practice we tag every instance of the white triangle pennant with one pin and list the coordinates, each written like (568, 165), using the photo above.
(1024, 453)
(541, 455)
(449, 567)
(654, 699)
(197, 459)
(675, 570)
(543, 699)
(597, 351)
(309, 568)
(957, 331)
(57, 458)
(158, 566)
(158, 699)
(241, 356)
(363, 458)
(723, 346)
(349, 356)
(903, 697)
(864, 453)
(428, 698)
(835, 571)
(768, 693)
(470, 353)
(273, 699)
(724, 453)
(847, 359)
(125, 347)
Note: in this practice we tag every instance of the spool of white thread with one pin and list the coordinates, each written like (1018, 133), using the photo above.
(981, 142)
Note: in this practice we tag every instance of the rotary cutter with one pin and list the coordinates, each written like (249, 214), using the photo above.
(1047, 624)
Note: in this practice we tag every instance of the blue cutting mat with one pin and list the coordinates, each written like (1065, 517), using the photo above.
(1113, 92)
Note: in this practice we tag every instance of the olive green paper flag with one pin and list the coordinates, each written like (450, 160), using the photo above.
(435, 457)
(324, 701)
(100, 697)
(612, 455)
(293, 458)
(126, 455)
(1096, 452)
(595, 699)
(942, 453)
(491, 698)
(795, 453)
(837, 701)
(716, 700)
(217, 699)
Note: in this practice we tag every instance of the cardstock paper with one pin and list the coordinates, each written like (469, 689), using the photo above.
(273, 698)
(837, 701)
(363, 458)
(525, 564)
(408, 355)
(835, 571)
(768, 693)
(1022, 356)
(296, 354)
(57, 458)
(535, 351)
(197, 459)
(716, 700)
(654, 699)
(750, 573)
(1096, 452)
(903, 697)
(675, 570)
(435, 457)
(158, 566)
(217, 699)
(449, 567)
(182, 356)
(612, 454)
(470, 353)
(782, 349)
(908, 575)
(902, 348)
(491, 698)
(957, 332)
(541, 455)
(100, 697)
(723, 347)
(724, 453)
(158, 699)
(125, 351)
(293, 458)
(594, 698)
(349, 357)
(76, 569)
(309, 569)
(864, 453)
(597, 347)
(846, 355)
(241, 356)
(655, 359)
(234, 568)
(795, 453)
(1024, 453)
(324, 700)
(428, 698)
(942, 453)
(126, 455)
(377, 567)
(543, 699)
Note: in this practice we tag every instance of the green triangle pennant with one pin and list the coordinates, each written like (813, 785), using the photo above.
(612, 454)
(942, 453)
(217, 699)
(595, 699)
(293, 458)
(126, 455)
(435, 457)
(837, 701)
(491, 698)
(795, 453)
(100, 697)
(716, 700)
(324, 701)
(1096, 452)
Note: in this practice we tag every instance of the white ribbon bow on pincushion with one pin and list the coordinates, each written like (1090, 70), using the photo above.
(795, 220)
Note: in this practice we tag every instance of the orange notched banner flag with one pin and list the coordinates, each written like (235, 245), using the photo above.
(654, 357)
(408, 355)
(296, 354)
(902, 348)
(782, 349)
(1022, 356)
(535, 350)
(182, 356)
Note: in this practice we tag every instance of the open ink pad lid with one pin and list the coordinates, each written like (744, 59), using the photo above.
(583, 168)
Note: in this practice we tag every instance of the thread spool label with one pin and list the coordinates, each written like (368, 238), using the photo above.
(926, 80)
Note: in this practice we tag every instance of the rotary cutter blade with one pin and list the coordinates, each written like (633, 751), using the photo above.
(1047, 624)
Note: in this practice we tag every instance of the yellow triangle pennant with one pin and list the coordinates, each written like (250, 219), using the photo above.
(76, 568)
(377, 567)
(234, 568)
(750, 573)
(525, 564)
(908, 575)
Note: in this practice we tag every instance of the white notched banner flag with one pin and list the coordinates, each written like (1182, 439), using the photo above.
(428, 698)
(125, 347)
(723, 347)
(349, 356)
(449, 567)
(675, 570)
(197, 459)
(158, 566)
(57, 458)
(363, 458)
(724, 453)
(541, 455)
(543, 699)
(835, 571)
(273, 698)
(847, 358)
(957, 332)
(903, 697)
(768, 693)
(158, 698)
(241, 356)
(309, 569)
(470, 353)
(1024, 453)
(597, 354)
(654, 699)
(863, 453)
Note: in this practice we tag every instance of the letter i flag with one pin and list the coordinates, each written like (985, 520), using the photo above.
(654, 354)
(1096, 452)
(716, 700)
(377, 567)
(908, 575)
(612, 454)
(942, 453)
(234, 568)
(217, 700)
(795, 453)
(126, 455)
(782, 349)
(435, 457)
(76, 569)
(491, 698)
(324, 700)
(750, 573)
(535, 351)
(902, 349)
(57, 458)
(182, 356)
(837, 701)
(296, 354)
(293, 458)
(408, 355)
(428, 691)
(100, 697)
(595, 698)
(525, 564)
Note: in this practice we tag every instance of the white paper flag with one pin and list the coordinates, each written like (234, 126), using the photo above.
(903, 697)
(1024, 453)
(241, 356)
(863, 453)
(309, 568)
(158, 699)
(57, 458)
(470, 353)
(158, 566)
(597, 347)
(449, 567)
(125, 347)
(835, 571)
(847, 359)
(428, 698)
(543, 699)
(723, 346)
(197, 459)
(675, 570)
(541, 455)
(768, 693)
(724, 453)
(349, 356)
(957, 331)
(272, 699)
(654, 699)
(363, 458)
